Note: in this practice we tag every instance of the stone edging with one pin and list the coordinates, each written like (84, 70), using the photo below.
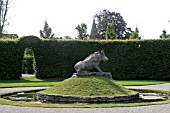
(103, 74)
(44, 98)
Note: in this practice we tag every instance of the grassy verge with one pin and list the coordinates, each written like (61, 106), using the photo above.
(81, 105)
(23, 82)
(29, 82)
(32, 81)
(140, 82)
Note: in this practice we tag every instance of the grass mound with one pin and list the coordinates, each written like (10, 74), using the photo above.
(88, 87)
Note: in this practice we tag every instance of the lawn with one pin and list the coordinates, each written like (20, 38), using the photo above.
(29, 82)
(32, 81)
(140, 82)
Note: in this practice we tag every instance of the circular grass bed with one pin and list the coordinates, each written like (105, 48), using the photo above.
(87, 90)
(5, 101)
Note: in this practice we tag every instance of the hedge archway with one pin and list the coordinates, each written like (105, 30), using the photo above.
(11, 55)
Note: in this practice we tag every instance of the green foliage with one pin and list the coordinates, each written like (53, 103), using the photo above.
(46, 32)
(140, 82)
(28, 52)
(142, 59)
(82, 31)
(10, 60)
(29, 60)
(29, 82)
(147, 59)
(106, 16)
(164, 35)
(27, 67)
(29, 42)
(110, 32)
(135, 34)
(32, 82)
(11, 57)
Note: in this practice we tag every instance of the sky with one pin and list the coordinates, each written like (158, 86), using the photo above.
(27, 17)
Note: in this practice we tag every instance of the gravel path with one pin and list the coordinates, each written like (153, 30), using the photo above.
(156, 87)
(143, 109)
(20, 89)
(140, 109)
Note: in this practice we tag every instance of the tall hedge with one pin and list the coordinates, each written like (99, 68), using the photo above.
(11, 56)
(146, 59)
(10, 60)
(57, 58)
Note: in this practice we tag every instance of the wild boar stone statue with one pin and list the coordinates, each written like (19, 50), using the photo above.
(91, 62)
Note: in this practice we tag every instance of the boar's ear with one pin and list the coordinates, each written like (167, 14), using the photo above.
(102, 51)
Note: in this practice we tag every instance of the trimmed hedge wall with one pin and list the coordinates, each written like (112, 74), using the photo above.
(146, 59)
(10, 60)
(57, 58)
(11, 56)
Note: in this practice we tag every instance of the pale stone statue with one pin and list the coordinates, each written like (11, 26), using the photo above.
(91, 62)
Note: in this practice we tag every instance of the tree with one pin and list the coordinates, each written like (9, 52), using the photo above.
(128, 33)
(46, 32)
(110, 32)
(135, 34)
(82, 31)
(164, 35)
(4, 7)
(104, 17)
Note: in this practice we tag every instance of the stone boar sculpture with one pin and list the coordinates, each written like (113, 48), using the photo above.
(91, 62)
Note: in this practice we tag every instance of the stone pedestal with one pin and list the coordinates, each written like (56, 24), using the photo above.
(103, 74)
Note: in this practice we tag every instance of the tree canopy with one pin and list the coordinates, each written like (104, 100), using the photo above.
(110, 31)
(164, 35)
(106, 16)
(46, 32)
(82, 31)
(135, 34)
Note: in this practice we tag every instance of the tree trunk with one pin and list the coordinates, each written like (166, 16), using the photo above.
(3, 14)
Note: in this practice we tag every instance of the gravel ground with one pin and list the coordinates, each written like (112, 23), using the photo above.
(20, 89)
(28, 75)
(143, 109)
(156, 87)
(140, 109)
